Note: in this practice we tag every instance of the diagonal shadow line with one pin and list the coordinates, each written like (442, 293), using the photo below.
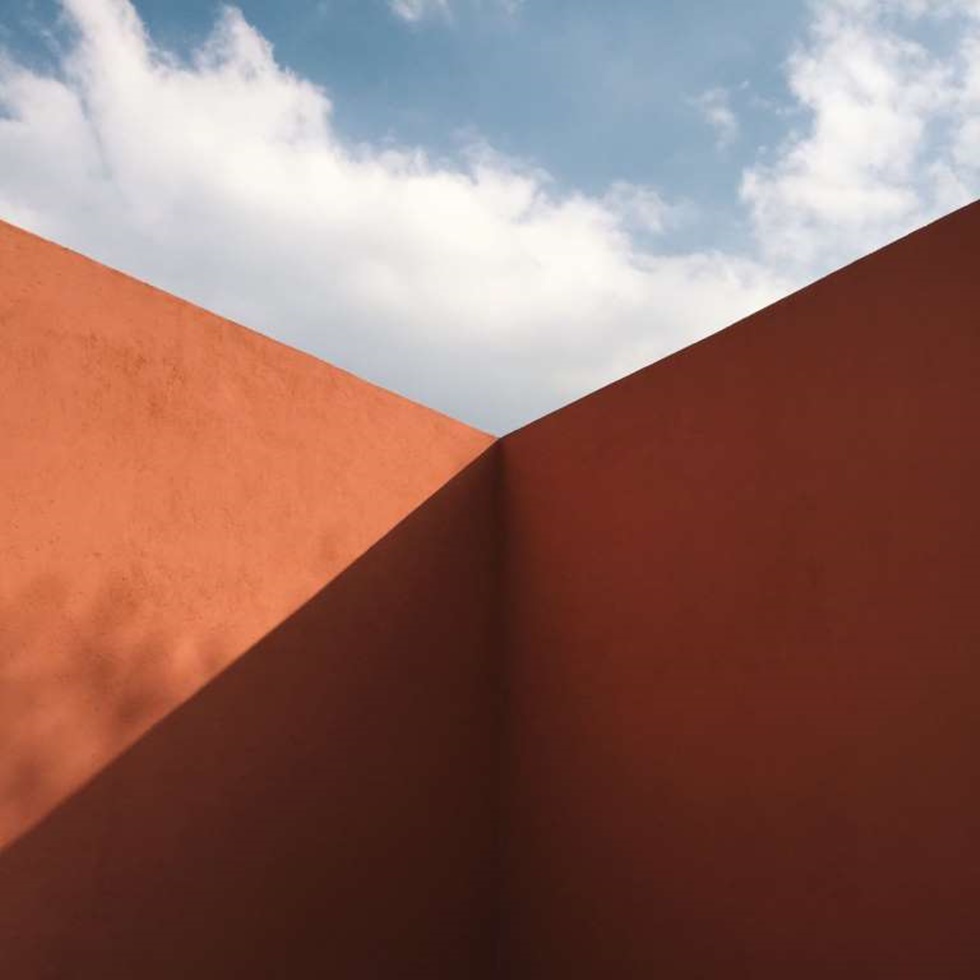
(151, 436)
(326, 803)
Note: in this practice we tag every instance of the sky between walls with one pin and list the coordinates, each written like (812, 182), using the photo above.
(491, 206)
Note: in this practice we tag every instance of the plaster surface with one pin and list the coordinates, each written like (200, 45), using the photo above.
(173, 486)
(325, 807)
(681, 680)
(744, 657)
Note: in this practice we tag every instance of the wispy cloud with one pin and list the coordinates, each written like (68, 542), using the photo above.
(715, 106)
(891, 134)
(477, 286)
(416, 10)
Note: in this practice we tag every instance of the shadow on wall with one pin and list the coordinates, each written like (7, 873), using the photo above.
(172, 487)
(78, 684)
(326, 803)
(744, 663)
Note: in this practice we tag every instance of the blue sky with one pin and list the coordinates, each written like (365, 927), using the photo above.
(593, 92)
(491, 206)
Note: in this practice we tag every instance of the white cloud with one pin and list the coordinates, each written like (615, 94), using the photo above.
(416, 10)
(889, 142)
(640, 208)
(715, 106)
(478, 289)
(475, 287)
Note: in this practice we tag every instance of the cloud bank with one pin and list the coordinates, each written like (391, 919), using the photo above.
(473, 285)
(890, 137)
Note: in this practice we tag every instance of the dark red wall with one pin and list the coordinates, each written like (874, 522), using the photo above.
(694, 695)
(326, 807)
(742, 596)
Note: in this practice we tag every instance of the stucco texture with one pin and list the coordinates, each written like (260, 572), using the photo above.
(681, 681)
(173, 486)
(744, 654)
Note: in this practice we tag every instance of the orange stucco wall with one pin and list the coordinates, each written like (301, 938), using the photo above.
(172, 486)
(326, 807)
(679, 681)
(742, 593)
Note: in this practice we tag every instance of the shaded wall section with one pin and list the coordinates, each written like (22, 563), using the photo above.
(745, 645)
(172, 486)
(325, 807)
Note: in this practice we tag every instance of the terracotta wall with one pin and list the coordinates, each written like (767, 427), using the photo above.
(172, 487)
(679, 681)
(325, 808)
(745, 660)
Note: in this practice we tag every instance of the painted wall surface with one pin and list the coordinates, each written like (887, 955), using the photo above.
(693, 694)
(324, 808)
(744, 682)
(172, 486)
